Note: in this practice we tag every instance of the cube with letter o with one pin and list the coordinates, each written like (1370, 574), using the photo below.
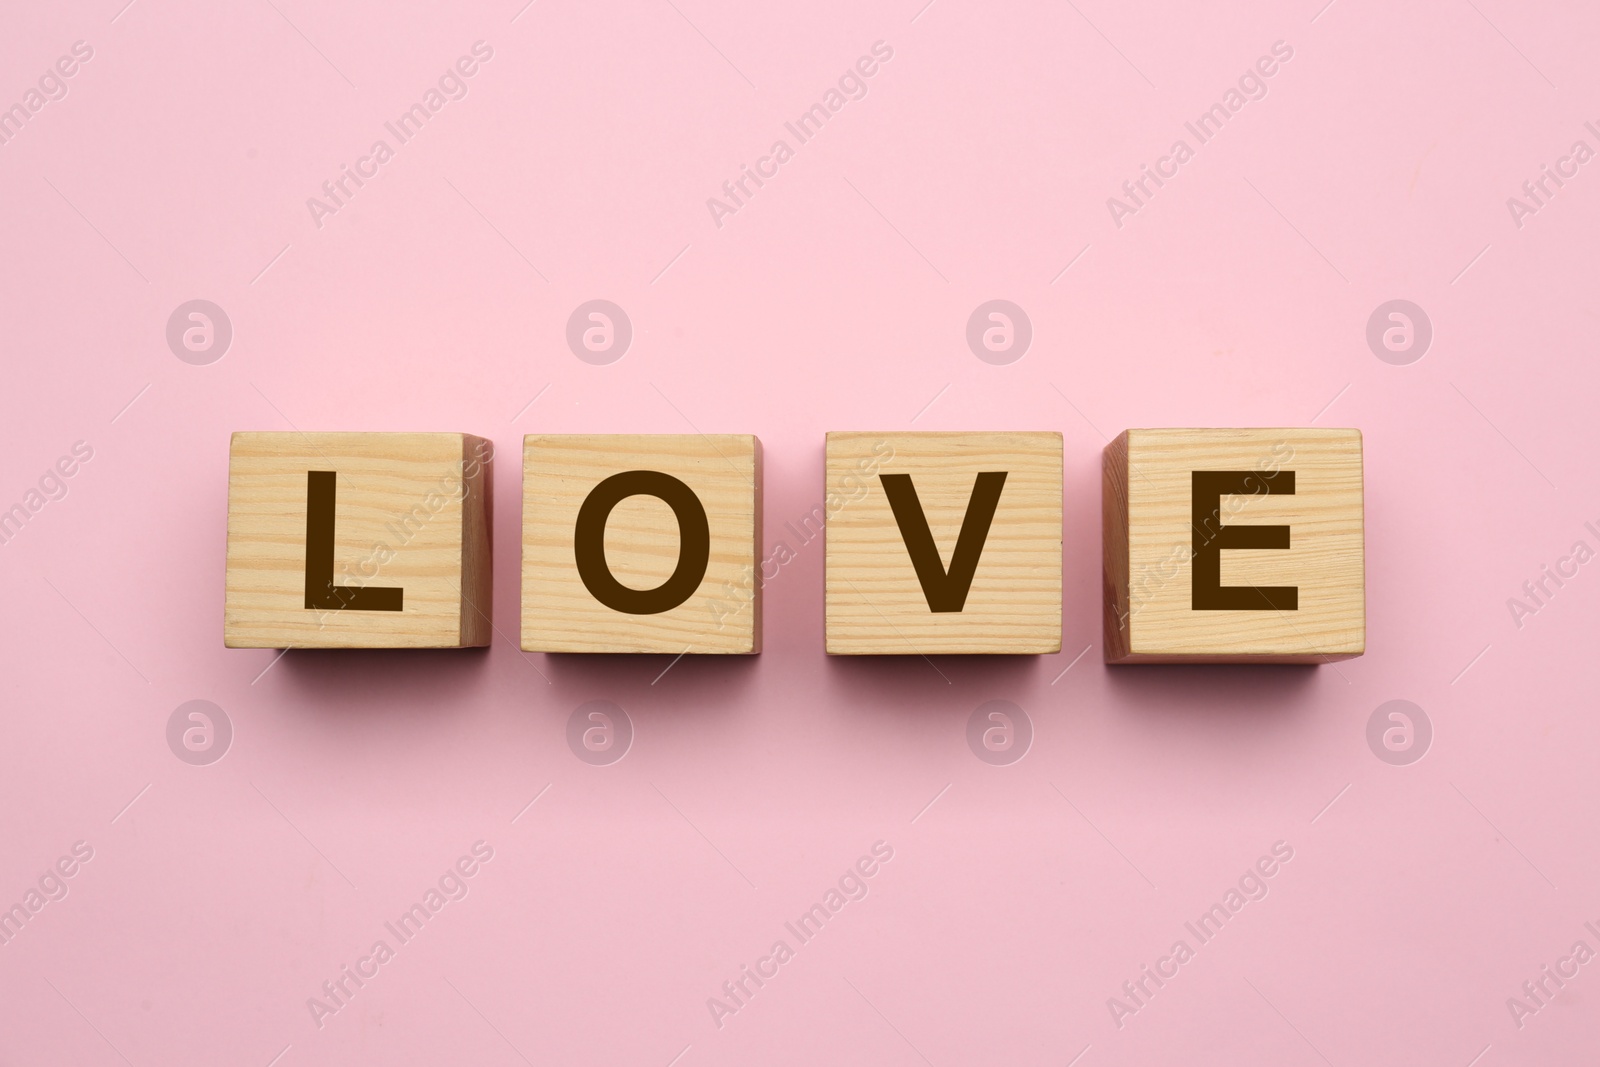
(641, 543)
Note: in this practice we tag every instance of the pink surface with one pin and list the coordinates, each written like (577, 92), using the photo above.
(1019, 897)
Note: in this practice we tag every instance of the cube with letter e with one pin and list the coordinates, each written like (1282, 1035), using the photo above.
(943, 543)
(1233, 546)
(358, 540)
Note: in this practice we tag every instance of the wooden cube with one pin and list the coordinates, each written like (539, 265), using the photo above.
(943, 543)
(641, 543)
(358, 540)
(1233, 546)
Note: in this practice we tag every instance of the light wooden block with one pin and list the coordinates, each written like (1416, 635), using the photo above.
(1272, 572)
(407, 554)
(895, 490)
(625, 580)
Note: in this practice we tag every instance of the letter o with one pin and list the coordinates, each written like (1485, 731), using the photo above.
(589, 542)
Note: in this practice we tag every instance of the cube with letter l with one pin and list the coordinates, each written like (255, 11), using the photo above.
(358, 540)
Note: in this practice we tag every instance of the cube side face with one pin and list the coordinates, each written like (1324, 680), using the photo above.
(1301, 602)
(642, 539)
(876, 601)
(477, 553)
(1114, 548)
(397, 522)
(757, 541)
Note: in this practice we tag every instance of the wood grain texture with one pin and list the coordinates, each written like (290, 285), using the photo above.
(1150, 538)
(875, 602)
(412, 511)
(642, 540)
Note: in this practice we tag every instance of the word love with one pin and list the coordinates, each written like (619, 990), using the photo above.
(1218, 546)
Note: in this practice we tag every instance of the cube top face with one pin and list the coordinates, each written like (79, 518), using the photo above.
(641, 543)
(1234, 545)
(893, 591)
(357, 540)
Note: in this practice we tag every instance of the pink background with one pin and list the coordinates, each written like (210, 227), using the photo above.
(977, 167)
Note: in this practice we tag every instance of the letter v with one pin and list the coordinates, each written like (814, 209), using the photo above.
(944, 590)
